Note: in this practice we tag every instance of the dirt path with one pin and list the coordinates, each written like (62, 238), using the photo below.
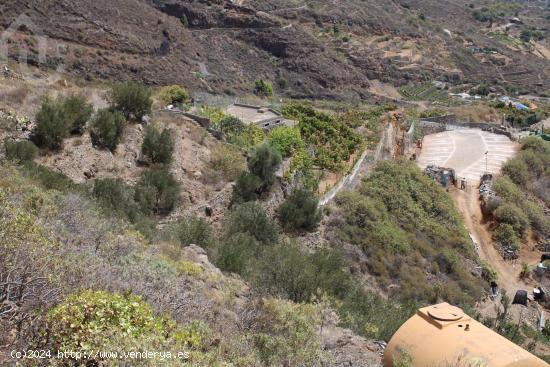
(468, 204)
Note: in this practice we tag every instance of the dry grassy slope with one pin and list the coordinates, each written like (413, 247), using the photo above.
(228, 45)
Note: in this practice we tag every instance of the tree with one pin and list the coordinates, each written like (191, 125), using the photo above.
(158, 145)
(299, 211)
(77, 111)
(264, 162)
(251, 218)
(173, 94)
(107, 128)
(51, 126)
(132, 99)
(263, 88)
(286, 140)
(157, 192)
(246, 188)
(20, 151)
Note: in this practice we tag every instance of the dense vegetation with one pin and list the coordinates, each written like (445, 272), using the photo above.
(522, 194)
(411, 233)
(57, 119)
(252, 248)
(332, 139)
(145, 296)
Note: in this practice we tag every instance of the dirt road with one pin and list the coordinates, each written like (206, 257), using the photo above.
(468, 204)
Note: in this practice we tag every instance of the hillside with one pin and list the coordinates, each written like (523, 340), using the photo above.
(220, 47)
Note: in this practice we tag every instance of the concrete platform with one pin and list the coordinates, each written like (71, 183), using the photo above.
(464, 151)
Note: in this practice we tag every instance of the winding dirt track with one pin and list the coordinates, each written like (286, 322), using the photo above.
(468, 204)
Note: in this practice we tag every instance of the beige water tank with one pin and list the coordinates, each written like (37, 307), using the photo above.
(444, 336)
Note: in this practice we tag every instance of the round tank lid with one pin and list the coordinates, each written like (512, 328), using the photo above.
(445, 312)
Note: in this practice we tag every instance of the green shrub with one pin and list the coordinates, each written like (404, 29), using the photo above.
(263, 88)
(20, 151)
(77, 111)
(286, 140)
(89, 321)
(517, 170)
(246, 188)
(264, 162)
(251, 136)
(231, 126)
(299, 211)
(288, 334)
(252, 219)
(173, 94)
(157, 192)
(508, 190)
(511, 214)
(107, 128)
(158, 146)
(408, 227)
(132, 99)
(114, 195)
(49, 179)
(236, 252)
(194, 231)
(51, 126)
(506, 235)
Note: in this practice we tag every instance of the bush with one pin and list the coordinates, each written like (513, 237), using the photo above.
(517, 170)
(263, 88)
(230, 126)
(114, 195)
(509, 213)
(20, 151)
(299, 211)
(157, 192)
(252, 219)
(286, 140)
(51, 126)
(506, 235)
(132, 99)
(88, 321)
(236, 253)
(173, 94)
(288, 334)
(264, 162)
(251, 136)
(193, 231)
(77, 111)
(158, 145)
(107, 128)
(246, 188)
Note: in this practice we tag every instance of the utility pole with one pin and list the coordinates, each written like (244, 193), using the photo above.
(486, 170)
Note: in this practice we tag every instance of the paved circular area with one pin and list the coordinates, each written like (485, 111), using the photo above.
(464, 151)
